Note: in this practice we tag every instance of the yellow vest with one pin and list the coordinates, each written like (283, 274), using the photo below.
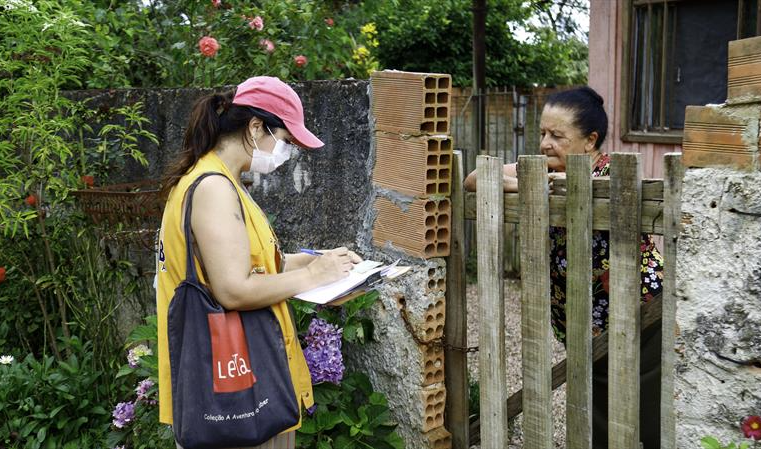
(171, 264)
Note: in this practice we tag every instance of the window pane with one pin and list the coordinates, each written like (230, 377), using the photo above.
(703, 30)
(679, 58)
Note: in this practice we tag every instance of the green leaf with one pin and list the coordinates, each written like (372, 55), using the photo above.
(124, 371)
(308, 426)
(709, 442)
(343, 442)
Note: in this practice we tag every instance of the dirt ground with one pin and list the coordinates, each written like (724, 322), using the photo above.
(513, 354)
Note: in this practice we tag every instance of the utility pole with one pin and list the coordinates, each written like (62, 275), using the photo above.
(479, 74)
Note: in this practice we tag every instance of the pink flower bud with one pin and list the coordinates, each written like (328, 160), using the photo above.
(300, 60)
(267, 45)
(257, 23)
(329, 22)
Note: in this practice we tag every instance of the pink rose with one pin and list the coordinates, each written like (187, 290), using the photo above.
(300, 60)
(216, 3)
(267, 45)
(208, 46)
(329, 22)
(257, 23)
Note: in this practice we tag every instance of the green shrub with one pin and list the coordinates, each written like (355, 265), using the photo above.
(45, 403)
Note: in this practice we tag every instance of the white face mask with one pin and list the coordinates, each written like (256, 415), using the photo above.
(263, 162)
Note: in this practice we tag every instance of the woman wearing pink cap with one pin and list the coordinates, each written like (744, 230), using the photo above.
(236, 250)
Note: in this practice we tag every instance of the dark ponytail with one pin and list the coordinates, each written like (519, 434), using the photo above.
(212, 116)
(587, 108)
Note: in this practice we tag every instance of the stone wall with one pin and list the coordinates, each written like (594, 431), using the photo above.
(718, 369)
(321, 199)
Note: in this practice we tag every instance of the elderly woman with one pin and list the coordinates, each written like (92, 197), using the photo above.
(574, 122)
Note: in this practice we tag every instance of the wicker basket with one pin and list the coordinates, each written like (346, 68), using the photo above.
(136, 203)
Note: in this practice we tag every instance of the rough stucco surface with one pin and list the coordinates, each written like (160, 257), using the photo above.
(718, 367)
(320, 199)
(394, 362)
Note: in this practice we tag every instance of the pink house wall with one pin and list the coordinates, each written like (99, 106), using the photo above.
(605, 62)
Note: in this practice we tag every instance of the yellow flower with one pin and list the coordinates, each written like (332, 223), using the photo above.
(369, 29)
(360, 53)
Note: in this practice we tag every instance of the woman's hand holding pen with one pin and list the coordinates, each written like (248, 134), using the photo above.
(332, 265)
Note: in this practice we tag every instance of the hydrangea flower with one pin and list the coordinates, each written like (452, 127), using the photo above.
(142, 389)
(134, 354)
(123, 414)
(323, 352)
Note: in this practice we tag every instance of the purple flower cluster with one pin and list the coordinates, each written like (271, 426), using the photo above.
(323, 352)
(143, 388)
(123, 414)
(133, 357)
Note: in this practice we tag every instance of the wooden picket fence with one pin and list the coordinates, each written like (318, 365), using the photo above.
(625, 205)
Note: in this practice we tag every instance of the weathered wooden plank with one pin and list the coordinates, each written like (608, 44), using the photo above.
(652, 189)
(492, 364)
(651, 315)
(624, 335)
(579, 303)
(652, 212)
(456, 323)
(672, 213)
(535, 305)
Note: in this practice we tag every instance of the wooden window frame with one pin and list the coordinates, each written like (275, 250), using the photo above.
(673, 137)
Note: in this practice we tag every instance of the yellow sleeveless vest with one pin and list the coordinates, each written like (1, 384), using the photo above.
(171, 263)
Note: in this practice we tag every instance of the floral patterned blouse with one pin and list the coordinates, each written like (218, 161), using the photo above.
(652, 271)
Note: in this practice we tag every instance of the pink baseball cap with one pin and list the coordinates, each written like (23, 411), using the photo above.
(274, 96)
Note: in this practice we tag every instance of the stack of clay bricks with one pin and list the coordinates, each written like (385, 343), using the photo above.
(413, 166)
(727, 135)
(413, 179)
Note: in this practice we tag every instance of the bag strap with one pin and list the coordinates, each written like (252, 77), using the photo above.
(190, 271)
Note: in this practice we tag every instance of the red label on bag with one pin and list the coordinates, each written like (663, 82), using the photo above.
(229, 353)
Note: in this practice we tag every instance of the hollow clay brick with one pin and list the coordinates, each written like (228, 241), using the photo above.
(437, 283)
(411, 103)
(434, 399)
(415, 166)
(716, 136)
(433, 365)
(744, 70)
(434, 321)
(421, 230)
(439, 438)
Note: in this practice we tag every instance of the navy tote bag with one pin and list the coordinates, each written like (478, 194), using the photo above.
(231, 386)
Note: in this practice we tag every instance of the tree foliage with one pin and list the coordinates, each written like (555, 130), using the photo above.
(155, 43)
(436, 36)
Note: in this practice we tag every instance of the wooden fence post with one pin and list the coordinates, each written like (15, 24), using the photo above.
(456, 323)
(579, 302)
(672, 217)
(492, 364)
(535, 305)
(625, 278)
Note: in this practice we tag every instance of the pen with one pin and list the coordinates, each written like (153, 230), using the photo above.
(310, 251)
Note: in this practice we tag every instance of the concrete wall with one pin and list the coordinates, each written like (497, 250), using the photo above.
(719, 310)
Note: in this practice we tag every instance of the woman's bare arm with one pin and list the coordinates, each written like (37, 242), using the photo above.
(509, 179)
(220, 232)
